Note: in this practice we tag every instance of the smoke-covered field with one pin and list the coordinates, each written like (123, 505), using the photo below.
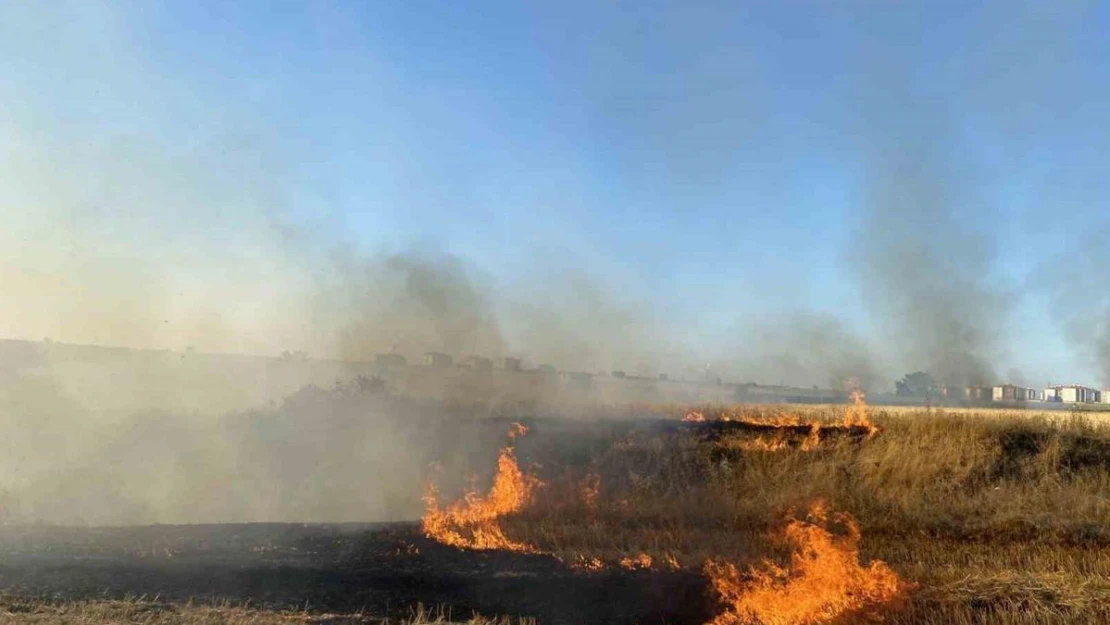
(257, 262)
(722, 514)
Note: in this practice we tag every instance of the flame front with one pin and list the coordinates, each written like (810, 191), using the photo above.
(642, 561)
(823, 582)
(783, 427)
(472, 522)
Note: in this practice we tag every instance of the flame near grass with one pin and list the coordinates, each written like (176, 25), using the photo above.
(642, 561)
(590, 490)
(823, 582)
(472, 522)
(784, 426)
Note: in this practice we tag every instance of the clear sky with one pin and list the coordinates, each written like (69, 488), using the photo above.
(715, 164)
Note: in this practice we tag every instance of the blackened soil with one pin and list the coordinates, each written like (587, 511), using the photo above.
(375, 569)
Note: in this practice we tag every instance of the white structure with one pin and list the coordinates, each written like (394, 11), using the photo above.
(1076, 394)
(1104, 397)
(1069, 394)
(1010, 392)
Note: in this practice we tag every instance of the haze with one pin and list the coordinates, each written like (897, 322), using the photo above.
(647, 188)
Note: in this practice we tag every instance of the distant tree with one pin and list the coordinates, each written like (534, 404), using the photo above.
(916, 384)
(620, 375)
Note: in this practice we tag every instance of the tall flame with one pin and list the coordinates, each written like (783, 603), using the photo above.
(472, 522)
(858, 412)
(823, 582)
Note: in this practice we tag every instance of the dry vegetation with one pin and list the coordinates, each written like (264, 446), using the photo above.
(983, 519)
(153, 612)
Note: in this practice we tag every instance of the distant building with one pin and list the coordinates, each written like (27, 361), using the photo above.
(476, 362)
(509, 364)
(1012, 392)
(978, 393)
(437, 359)
(1077, 394)
(576, 380)
(392, 359)
(1104, 396)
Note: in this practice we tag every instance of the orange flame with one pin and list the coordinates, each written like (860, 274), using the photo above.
(583, 563)
(642, 561)
(858, 411)
(823, 582)
(857, 418)
(471, 522)
(591, 489)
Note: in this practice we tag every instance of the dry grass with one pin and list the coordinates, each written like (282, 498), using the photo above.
(997, 518)
(151, 612)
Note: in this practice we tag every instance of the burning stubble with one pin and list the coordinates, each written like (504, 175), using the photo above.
(823, 582)
(472, 522)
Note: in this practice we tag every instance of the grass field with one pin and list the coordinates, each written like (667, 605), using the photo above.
(985, 516)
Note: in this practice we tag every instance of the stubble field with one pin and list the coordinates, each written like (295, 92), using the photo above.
(730, 515)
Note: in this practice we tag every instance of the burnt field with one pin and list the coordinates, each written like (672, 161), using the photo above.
(376, 570)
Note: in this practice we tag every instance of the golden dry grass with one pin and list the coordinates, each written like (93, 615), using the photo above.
(998, 518)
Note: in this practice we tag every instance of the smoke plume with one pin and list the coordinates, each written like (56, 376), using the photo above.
(1075, 282)
(805, 349)
(927, 273)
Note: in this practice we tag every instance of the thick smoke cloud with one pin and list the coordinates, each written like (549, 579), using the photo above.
(411, 302)
(1075, 281)
(925, 270)
(318, 456)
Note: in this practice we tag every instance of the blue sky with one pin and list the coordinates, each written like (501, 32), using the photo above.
(704, 161)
